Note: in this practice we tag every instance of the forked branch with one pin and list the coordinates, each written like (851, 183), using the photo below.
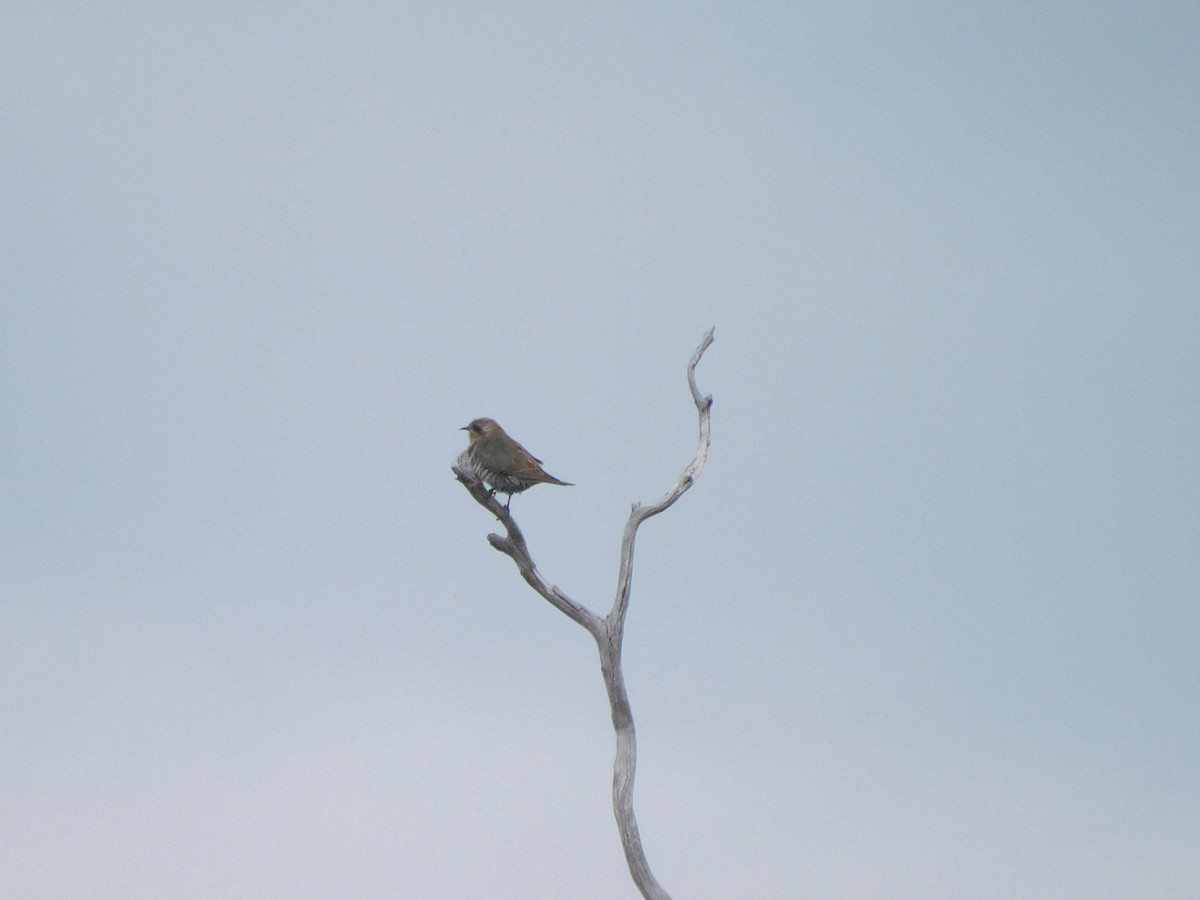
(608, 632)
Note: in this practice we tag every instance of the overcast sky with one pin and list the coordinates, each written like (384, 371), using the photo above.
(927, 626)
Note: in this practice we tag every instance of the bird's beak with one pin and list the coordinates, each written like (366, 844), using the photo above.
(465, 428)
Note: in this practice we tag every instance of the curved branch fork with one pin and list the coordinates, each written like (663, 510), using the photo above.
(608, 632)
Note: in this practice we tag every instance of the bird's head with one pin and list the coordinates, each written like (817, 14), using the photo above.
(480, 428)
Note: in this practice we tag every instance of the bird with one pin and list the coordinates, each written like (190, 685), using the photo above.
(501, 462)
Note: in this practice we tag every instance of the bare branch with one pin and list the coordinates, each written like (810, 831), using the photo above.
(625, 761)
(640, 514)
(608, 632)
(514, 546)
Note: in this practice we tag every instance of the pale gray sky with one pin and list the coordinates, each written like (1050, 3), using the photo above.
(929, 624)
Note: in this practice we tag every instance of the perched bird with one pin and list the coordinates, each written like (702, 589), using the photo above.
(501, 462)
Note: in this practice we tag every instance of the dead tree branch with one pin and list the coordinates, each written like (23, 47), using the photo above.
(608, 632)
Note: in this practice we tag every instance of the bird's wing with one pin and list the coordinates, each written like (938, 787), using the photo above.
(526, 463)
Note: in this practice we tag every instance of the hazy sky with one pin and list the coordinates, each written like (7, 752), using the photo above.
(928, 626)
